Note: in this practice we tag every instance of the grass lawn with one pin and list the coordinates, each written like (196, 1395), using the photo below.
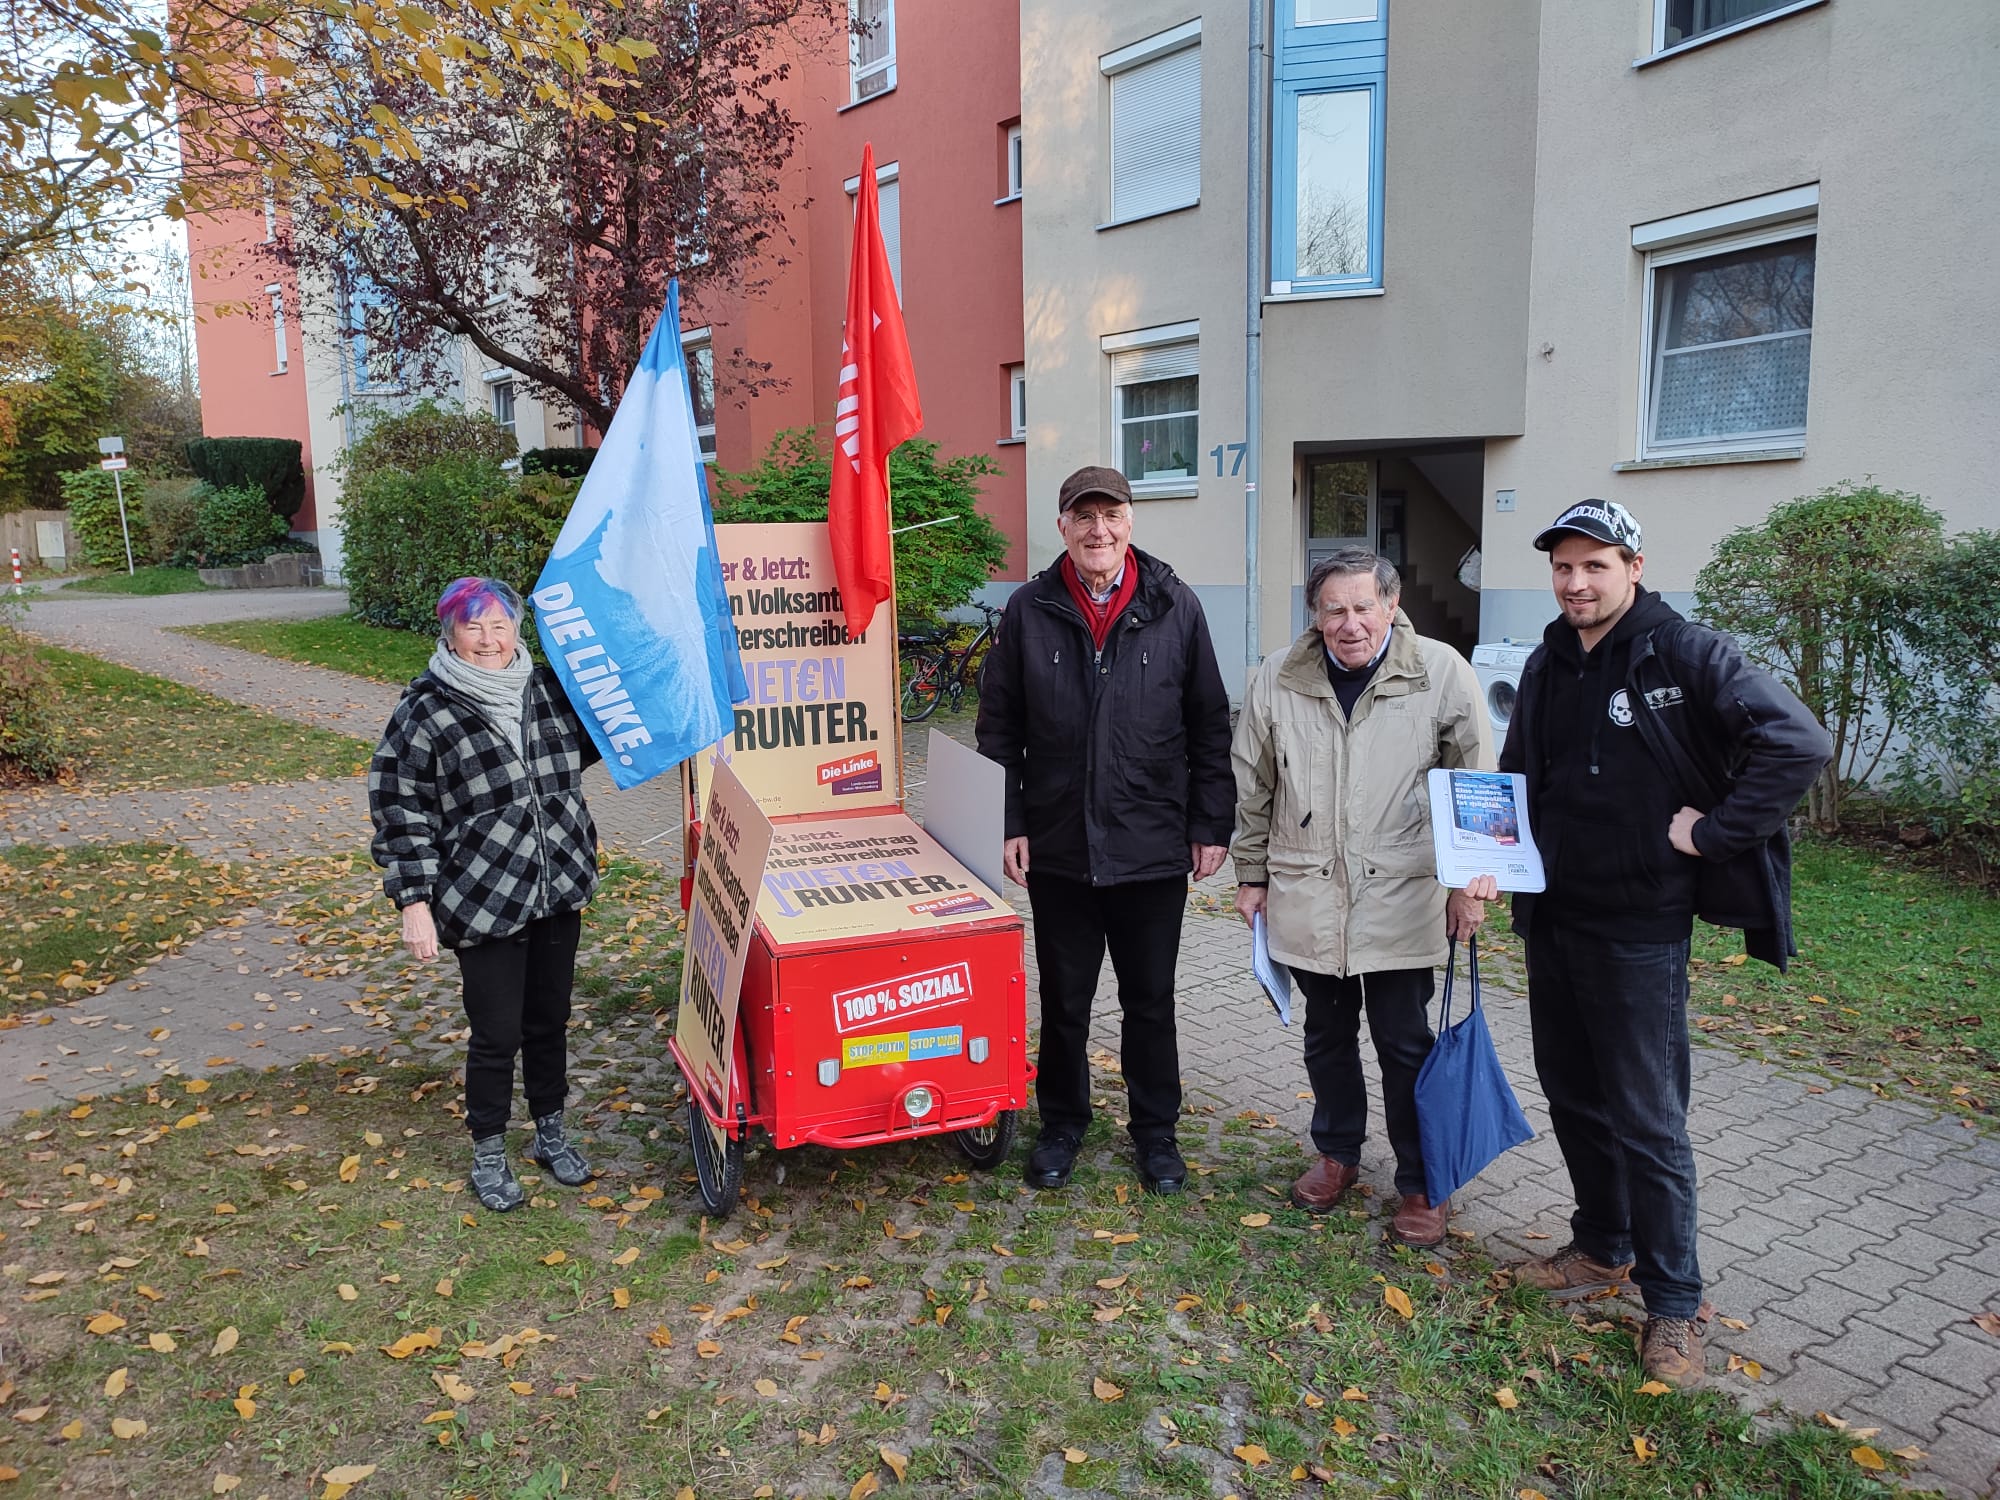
(272, 1278)
(1895, 986)
(79, 919)
(145, 581)
(127, 729)
(337, 641)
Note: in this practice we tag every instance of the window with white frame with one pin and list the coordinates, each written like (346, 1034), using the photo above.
(270, 210)
(1728, 336)
(871, 48)
(277, 295)
(501, 393)
(1013, 161)
(698, 351)
(1678, 21)
(1329, 75)
(889, 207)
(1156, 402)
(1155, 123)
(1017, 401)
(374, 353)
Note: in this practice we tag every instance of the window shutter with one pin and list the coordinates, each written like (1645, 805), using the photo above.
(1159, 362)
(1156, 135)
(889, 199)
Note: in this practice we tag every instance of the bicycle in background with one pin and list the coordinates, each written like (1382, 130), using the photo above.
(933, 669)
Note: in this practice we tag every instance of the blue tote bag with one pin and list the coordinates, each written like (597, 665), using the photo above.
(1466, 1112)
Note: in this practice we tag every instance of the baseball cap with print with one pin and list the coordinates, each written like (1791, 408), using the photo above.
(1600, 520)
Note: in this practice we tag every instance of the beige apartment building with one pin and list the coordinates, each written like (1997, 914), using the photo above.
(1696, 256)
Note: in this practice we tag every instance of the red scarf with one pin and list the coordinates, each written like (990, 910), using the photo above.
(1099, 617)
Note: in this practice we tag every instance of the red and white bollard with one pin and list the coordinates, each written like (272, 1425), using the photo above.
(17, 568)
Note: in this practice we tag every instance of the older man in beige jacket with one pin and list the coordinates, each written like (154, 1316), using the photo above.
(1333, 846)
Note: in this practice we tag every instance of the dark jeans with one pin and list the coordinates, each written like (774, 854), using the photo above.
(1398, 1003)
(517, 997)
(1140, 922)
(1611, 1047)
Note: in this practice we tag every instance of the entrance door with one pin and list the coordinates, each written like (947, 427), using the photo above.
(1340, 508)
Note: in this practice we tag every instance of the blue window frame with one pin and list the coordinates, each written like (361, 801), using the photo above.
(374, 352)
(1326, 163)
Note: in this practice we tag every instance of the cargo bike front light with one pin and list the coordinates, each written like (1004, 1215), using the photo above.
(919, 1102)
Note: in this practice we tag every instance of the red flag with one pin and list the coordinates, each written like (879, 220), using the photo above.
(877, 410)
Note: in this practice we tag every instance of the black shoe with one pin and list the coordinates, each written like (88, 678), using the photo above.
(1160, 1166)
(1052, 1160)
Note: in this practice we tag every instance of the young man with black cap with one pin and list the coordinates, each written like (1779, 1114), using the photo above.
(1102, 699)
(1661, 769)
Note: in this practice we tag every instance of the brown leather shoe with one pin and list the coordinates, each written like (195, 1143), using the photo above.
(1670, 1351)
(1571, 1273)
(1323, 1184)
(1417, 1223)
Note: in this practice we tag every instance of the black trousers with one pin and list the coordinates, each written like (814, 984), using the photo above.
(1140, 923)
(1611, 1048)
(517, 992)
(1398, 1004)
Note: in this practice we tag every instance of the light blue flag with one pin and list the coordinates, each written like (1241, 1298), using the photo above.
(631, 607)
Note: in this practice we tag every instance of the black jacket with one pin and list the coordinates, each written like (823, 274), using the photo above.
(1720, 735)
(1116, 761)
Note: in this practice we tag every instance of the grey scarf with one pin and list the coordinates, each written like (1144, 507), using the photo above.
(502, 696)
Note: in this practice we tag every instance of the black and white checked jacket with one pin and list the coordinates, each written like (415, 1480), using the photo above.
(461, 822)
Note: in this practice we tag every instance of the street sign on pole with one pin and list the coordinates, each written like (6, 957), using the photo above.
(113, 449)
(112, 464)
(109, 445)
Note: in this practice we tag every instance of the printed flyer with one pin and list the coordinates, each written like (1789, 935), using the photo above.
(865, 876)
(1479, 826)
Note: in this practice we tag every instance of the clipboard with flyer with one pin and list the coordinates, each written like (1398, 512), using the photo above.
(1480, 826)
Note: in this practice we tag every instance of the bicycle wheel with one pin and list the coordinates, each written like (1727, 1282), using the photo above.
(987, 1146)
(923, 686)
(975, 661)
(718, 1162)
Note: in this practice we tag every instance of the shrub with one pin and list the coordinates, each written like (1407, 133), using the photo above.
(408, 534)
(169, 510)
(427, 434)
(91, 496)
(937, 568)
(272, 465)
(236, 525)
(1821, 593)
(31, 735)
(570, 463)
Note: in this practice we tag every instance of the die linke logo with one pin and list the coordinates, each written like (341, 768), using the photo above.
(912, 994)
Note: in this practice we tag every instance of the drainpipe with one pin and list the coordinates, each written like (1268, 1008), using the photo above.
(1253, 328)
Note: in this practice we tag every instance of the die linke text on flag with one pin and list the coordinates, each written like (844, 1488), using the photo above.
(877, 409)
(632, 608)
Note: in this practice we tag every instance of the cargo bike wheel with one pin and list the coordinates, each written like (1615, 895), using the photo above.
(986, 1146)
(718, 1161)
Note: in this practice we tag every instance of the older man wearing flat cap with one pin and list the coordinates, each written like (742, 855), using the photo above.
(1102, 699)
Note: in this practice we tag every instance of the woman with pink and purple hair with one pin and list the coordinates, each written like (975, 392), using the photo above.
(488, 849)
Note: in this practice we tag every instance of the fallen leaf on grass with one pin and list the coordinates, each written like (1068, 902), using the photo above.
(1867, 1458)
(128, 1428)
(410, 1343)
(347, 1291)
(8, 1473)
(621, 1297)
(245, 1407)
(224, 1483)
(626, 1256)
(1398, 1299)
(350, 1168)
(224, 1341)
(295, 1377)
(1252, 1454)
(161, 1343)
(765, 1387)
(1354, 1393)
(1505, 1399)
(72, 1429)
(555, 1257)
(1344, 1428)
(1529, 1495)
(1112, 1283)
(1642, 1449)
(1104, 1390)
(1075, 1456)
(661, 1337)
(520, 1388)
(105, 1323)
(1186, 1302)
(114, 1383)
(31, 1414)
(453, 1387)
(898, 1462)
(1107, 1315)
(1654, 1388)
(1254, 1221)
(707, 1348)
(865, 1486)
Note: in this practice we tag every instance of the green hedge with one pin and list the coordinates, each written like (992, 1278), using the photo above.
(236, 526)
(570, 463)
(32, 746)
(426, 434)
(91, 496)
(169, 511)
(273, 465)
(411, 533)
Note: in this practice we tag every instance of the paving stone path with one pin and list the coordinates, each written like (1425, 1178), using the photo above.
(1853, 1236)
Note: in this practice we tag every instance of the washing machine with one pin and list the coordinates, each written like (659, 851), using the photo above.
(1499, 667)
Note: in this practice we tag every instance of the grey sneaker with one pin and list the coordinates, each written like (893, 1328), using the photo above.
(492, 1179)
(553, 1150)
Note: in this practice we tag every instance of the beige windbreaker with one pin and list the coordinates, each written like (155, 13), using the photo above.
(1334, 812)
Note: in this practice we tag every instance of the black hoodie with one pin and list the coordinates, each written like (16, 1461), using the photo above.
(1600, 802)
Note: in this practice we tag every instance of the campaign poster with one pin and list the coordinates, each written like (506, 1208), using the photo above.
(728, 875)
(864, 877)
(1480, 826)
(818, 732)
